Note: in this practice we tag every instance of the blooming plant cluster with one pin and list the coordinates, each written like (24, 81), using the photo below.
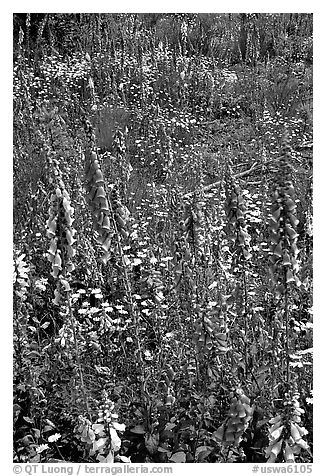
(162, 238)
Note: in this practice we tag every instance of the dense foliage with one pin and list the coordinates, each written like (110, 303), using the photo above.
(162, 237)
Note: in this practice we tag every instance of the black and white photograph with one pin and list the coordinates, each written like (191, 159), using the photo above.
(162, 241)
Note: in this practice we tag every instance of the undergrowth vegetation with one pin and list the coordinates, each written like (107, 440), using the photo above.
(162, 238)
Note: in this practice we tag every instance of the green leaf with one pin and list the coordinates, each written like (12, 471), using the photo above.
(45, 325)
(138, 430)
(219, 433)
(179, 457)
(28, 420)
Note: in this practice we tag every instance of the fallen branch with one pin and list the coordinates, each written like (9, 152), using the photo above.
(209, 187)
(239, 175)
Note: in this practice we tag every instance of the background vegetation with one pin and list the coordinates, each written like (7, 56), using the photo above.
(162, 237)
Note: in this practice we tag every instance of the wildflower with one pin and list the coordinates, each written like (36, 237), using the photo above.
(54, 437)
(42, 448)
